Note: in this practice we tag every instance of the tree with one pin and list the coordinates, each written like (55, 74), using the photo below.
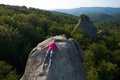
(107, 70)
(10, 41)
(7, 72)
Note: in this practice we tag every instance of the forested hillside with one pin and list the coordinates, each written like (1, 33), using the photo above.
(21, 29)
(102, 17)
(96, 14)
(90, 10)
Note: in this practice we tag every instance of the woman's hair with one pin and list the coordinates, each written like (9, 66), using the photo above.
(54, 40)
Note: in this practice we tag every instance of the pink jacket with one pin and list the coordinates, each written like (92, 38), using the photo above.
(51, 46)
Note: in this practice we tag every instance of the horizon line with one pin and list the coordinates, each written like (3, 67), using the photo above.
(60, 8)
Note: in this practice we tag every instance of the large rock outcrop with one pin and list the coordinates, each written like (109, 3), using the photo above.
(67, 65)
(86, 26)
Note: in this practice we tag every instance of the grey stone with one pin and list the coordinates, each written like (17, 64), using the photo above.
(86, 26)
(66, 65)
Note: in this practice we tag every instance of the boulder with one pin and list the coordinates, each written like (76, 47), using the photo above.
(66, 65)
(104, 32)
(86, 26)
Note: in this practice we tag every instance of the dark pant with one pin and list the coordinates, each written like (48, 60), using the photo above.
(49, 55)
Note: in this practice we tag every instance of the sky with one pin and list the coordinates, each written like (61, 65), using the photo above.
(62, 4)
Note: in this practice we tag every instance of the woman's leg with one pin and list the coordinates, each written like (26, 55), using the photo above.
(46, 57)
(51, 57)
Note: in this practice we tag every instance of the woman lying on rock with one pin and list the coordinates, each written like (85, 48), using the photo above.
(49, 53)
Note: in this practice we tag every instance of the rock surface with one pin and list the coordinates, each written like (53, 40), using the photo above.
(86, 26)
(67, 65)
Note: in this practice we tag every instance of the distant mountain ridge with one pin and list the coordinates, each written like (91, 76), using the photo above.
(95, 13)
(90, 10)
